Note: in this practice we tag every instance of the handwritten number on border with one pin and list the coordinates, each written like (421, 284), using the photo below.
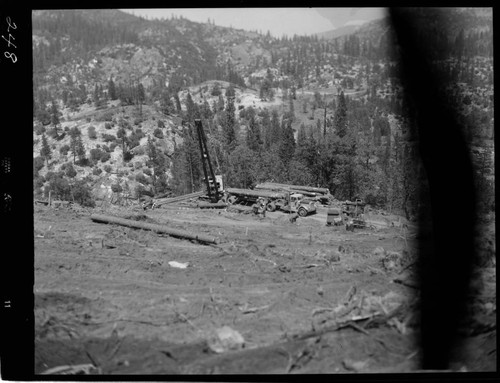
(10, 25)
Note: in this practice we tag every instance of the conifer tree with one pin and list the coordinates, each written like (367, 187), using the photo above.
(76, 146)
(112, 89)
(54, 116)
(275, 129)
(96, 95)
(178, 103)
(340, 120)
(266, 128)
(45, 151)
(191, 109)
(158, 161)
(287, 143)
(229, 125)
(254, 141)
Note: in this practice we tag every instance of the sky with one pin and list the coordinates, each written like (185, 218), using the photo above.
(278, 21)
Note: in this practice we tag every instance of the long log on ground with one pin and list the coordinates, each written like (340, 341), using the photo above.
(153, 227)
(278, 186)
(179, 198)
(255, 193)
(208, 205)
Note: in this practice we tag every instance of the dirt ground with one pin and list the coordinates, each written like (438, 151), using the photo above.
(305, 297)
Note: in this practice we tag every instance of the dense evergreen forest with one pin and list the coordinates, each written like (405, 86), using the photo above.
(355, 141)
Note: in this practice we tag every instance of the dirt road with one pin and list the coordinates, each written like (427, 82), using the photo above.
(107, 295)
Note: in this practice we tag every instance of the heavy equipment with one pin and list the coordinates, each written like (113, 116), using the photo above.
(213, 183)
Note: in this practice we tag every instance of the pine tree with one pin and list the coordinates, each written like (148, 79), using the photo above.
(45, 151)
(141, 93)
(206, 112)
(178, 103)
(54, 116)
(191, 109)
(274, 135)
(112, 89)
(96, 95)
(65, 97)
(254, 141)
(340, 120)
(287, 143)
(229, 125)
(122, 134)
(266, 128)
(291, 109)
(192, 159)
(241, 163)
(76, 146)
(158, 161)
(166, 104)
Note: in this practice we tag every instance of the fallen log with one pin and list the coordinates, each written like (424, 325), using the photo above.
(153, 227)
(208, 205)
(255, 193)
(299, 188)
(160, 202)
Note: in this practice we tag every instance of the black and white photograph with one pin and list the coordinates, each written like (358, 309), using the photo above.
(278, 191)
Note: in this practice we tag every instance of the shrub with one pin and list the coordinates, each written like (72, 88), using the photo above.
(147, 171)
(141, 178)
(88, 119)
(84, 162)
(105, 156)
(137, 165)
(91, 132)
(74, 132)
(40, 129)
(108, 137)
(127, 156)
(121, 133)
(60, 187)
(139, 133)
(124, 123)
(116, 188)
(38, 182)
(158, 133)
(113, 146)
(216, 91)
(70, 171)
(107, 169)
(137, 121)
(96, 154)
(106, 148)
(107, 125)
(64, 149)
(161, 125)
(49, 176)
(83, 194)
(38, 163)
(96, 171)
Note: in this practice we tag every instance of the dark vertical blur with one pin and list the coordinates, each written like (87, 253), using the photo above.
(447, 219)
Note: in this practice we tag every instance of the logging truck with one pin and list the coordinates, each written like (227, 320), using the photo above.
(321, 195)
(284, 201)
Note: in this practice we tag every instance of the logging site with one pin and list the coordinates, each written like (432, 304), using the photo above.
(211, 200)
(277, 279)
